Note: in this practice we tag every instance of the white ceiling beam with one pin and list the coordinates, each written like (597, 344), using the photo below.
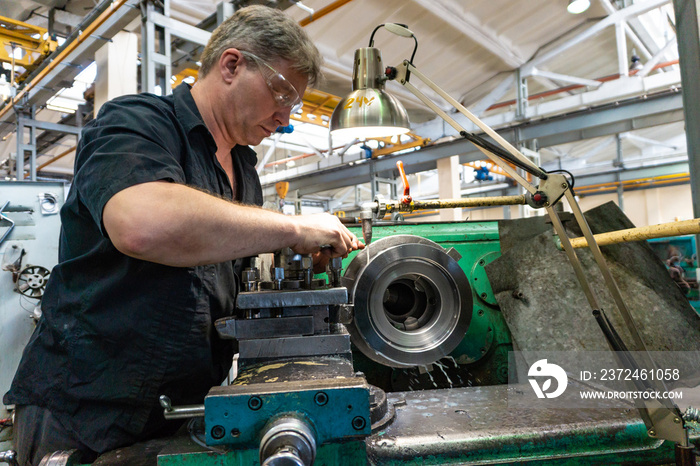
(471, 27)
(651, 63)
(615, 18)
(636, 40)
(566, 78)
(268, 154)
(595, 150)
(647, 141)
(494, 96)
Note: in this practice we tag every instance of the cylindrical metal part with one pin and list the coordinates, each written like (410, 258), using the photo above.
(287, 441)
(455, 203)
(180, 412)
(367, 72)
(685, 456)
(61, 458)
(412, 301)
(662, 230)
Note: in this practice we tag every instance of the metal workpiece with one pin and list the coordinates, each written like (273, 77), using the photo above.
(477, 425)
(179, 412)
(287, 440)
(250, 278)
(61, 458)
(289, 298)
(338, 408)
(412, 301)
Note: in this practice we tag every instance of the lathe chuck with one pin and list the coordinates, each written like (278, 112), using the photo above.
(412, 301)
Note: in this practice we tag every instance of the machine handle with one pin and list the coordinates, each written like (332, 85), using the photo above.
(406, 198)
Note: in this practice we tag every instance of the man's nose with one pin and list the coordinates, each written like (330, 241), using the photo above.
(282, 116)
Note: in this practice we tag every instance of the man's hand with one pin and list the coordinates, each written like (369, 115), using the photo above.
(324, 230)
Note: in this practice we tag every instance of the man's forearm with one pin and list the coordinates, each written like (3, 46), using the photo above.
(177, 225)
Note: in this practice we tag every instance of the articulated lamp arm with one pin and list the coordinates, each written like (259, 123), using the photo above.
(662, 417)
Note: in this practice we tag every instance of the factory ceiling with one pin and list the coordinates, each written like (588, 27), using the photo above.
(473, 49)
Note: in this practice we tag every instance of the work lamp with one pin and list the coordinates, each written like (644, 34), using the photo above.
(370, 112)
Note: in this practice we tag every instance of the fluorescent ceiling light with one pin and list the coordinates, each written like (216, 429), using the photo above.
(578, 6)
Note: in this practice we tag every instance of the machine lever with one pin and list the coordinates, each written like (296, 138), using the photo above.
(406, 198)
(181, 412)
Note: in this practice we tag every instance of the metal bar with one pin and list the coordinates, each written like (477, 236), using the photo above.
(19, 156)
(662, 230)
(492, 97)
(323, 12)
(47, 126)
(474, 28)
(485, 128)
(32, 143)
(573, 258)
(451, 121)
(620, 186)
(179, 29)
(53, 159)
(566, 78)
(466, 202)
(651, 63)
(605, 271)
(688, 33)
(621, 41)
(268, 154)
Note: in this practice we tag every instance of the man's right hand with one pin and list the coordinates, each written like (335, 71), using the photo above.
(318, 230)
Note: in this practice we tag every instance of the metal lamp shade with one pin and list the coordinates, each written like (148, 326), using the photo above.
(368, 111)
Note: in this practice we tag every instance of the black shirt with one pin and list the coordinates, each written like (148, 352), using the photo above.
(117, 332)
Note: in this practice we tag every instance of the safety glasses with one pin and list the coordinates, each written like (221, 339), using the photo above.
(282, 91)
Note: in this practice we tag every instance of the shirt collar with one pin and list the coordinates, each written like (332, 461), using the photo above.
(186, 109)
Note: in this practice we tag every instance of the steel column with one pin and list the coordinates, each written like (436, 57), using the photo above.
(618, 162)
(689, 55)
(156, 64)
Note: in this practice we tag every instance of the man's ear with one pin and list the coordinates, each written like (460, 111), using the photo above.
(229, 64)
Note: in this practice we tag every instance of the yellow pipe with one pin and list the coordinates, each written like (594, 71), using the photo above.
(59, 58)
(686, 227)
(323, 12)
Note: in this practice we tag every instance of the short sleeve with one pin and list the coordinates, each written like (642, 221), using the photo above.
(134, 140)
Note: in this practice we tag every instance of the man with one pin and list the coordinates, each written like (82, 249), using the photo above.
(152, 245)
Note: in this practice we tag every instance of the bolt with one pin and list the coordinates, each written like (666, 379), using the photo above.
(481, 262)
(677, 420)
(483, 295)
(218, 432)
(359, 423)
(564, 185)
(321, 398)
(546, 203)
(651, 432)
(518, 294)
(255, 403)
(480, 313)
(235, 433)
